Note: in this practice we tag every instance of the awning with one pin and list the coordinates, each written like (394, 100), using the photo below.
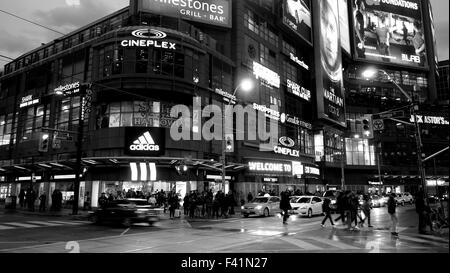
(64, 166)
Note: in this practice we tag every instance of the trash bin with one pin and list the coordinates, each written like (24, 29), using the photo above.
(10, 202)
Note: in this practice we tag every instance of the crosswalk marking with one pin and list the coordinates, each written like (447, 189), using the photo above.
(45, 223)
(418, 240)
(21, 225)
(431, 237)
(336, 244)
(301, 244)
(5, 227)
(67, 223)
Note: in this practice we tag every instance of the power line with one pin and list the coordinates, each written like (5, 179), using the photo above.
(34, 23)
(6, 57)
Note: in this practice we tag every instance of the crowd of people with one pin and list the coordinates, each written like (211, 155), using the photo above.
(28, 197)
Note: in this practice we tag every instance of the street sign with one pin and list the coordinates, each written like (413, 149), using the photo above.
(65, 137)
(56, 144)
(394, 114)
(378, 124)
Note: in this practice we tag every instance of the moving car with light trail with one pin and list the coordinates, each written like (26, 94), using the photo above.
(125, 212)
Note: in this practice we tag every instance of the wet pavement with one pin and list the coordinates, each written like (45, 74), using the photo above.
(32, 234)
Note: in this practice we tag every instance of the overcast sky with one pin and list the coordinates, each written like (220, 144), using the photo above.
(18, 37)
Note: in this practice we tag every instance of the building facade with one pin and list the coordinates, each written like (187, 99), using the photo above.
(156, 70)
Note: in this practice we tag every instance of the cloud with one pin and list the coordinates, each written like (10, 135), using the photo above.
(70, 17)
(14, 45)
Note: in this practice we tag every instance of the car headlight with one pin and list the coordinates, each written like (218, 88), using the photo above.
(333, 202)
(242, 207)
(258, 207)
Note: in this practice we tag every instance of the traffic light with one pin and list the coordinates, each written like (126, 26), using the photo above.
(43, 142)
(367, 126)
(229, 143)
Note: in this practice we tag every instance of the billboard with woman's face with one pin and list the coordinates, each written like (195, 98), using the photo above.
(330, 94)
(390, 31)
(297, 16)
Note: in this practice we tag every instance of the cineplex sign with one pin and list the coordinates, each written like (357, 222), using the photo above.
(149, 38)
(213, 12)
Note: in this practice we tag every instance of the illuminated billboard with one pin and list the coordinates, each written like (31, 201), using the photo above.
(390, 31)
(297, 16)
(344, 25)
(213, 12)
(329, 83)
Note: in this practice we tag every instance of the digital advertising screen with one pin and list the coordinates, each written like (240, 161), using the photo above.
(213, 12)
(329, 80)
(344, 25)
(297, 16)
(390, 31)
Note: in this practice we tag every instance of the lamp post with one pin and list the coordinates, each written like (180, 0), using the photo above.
(370, 73)
(246, 85)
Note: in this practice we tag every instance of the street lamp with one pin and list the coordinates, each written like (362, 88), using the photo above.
(245, 85)
(370, 73)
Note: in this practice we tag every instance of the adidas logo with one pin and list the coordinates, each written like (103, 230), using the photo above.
(144, 143)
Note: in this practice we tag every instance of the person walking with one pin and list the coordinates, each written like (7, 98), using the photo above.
(285, 206)
(186, 204)
(43, 200)
(391, 204)
(22, 198)
(327, 210)
(340, 199)
(366, 207)
(216, 205)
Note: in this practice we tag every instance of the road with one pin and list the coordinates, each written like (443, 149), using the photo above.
(39, 234)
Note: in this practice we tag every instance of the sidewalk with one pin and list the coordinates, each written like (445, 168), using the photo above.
(82, 214)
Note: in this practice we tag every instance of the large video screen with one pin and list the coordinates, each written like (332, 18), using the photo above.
(329, 82)
(344, 26)
(390, 31)
(297, 16)
(213, 12)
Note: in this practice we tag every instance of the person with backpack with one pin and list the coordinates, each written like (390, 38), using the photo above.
(327, 210)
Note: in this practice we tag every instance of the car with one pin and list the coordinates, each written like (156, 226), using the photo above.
(306, 205)
(332, 195)
(377, 201)
(399, 199)
(126, 212)
(262, 206)
(408, 198)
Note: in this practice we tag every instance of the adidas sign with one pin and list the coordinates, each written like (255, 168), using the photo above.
(144, 143)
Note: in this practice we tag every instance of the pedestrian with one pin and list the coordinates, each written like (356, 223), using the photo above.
(231, 202)
(59, 199)
(327, 210)
(420, 209)
(249, 197)
(103, 200)
(43, 200)
(391, 204)
(31, 197)
(216, 205)
(186, 204)
(22, 198)
(366, 207)
(152, 200)
(223, 205)
(285, 206)
(173, 204)
(340, 207)
(354, 209)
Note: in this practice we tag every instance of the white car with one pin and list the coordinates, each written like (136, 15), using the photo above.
(262, 206)
(306, 205)
(408, 198)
